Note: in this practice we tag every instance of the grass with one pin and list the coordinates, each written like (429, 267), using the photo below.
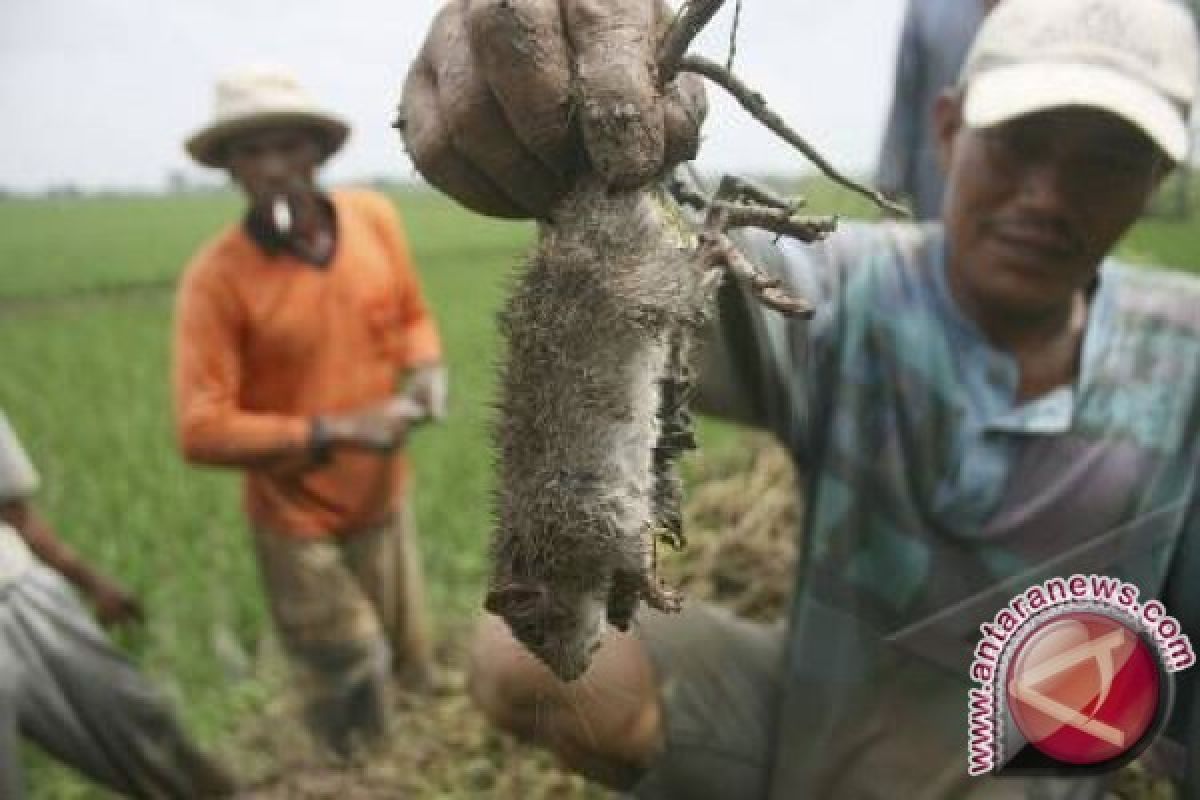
(85, 383)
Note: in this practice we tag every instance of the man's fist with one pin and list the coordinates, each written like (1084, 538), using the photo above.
(510, 100)
(381, 428)
(114, 605)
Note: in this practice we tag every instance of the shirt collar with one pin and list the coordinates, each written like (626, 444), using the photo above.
(991, 374)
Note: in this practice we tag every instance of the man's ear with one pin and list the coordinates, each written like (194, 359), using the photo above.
(947, 122)
(1163, 170)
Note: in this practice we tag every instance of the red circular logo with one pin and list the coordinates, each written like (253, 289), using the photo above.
(1083, 688)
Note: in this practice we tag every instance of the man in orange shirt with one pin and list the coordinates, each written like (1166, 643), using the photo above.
(303, 354)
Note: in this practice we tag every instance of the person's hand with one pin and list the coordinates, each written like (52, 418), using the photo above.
(381, 428)
(510, 101)
(112, 603)
(426, 387)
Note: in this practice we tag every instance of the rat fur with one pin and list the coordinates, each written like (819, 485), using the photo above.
(590, 420)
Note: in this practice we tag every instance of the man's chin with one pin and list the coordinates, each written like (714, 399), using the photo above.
(1022, 295)
(1024, 285)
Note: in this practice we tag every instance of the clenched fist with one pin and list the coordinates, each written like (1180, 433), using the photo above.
(510, 101)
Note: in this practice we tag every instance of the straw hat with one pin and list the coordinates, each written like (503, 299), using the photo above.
(256, 97)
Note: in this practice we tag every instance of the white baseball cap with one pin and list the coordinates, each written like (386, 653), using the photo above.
(1137, 59)
(255, 97)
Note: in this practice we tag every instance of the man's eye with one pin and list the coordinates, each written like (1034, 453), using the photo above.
(1012, 143)
(1118, 162)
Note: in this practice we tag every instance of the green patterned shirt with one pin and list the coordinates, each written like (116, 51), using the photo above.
(933, 497)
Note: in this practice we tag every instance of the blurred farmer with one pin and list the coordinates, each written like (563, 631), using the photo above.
(304, 354)
(62, 683)
(976, 406)
(933, 46)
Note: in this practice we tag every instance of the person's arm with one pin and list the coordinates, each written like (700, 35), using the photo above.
(112, 602)
(207, 375)
(18, 483)
(424, 380)
(754, 362)
(213, 430)
(897, 159)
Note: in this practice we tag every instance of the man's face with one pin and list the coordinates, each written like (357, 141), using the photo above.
(1033, 205)
(270, 162)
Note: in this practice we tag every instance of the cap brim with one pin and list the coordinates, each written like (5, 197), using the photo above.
(206, 144)
(1004, 93)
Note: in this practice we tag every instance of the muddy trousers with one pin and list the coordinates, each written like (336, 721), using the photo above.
(350, 613)
(64, 686)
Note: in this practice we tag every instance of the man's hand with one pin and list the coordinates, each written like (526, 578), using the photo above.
(510, 100)
(382, 428)
(112, 603)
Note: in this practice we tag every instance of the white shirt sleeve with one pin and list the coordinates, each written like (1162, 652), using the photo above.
(18, 478)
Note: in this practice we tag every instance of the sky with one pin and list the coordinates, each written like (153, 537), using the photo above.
(102, 93)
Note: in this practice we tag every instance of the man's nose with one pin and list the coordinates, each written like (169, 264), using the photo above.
(1045, 183)
(273, 165)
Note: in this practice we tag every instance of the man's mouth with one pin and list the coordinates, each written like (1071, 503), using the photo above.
(281, 214)
(1036, 242)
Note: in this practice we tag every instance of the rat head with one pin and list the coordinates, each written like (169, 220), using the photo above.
(562, 627)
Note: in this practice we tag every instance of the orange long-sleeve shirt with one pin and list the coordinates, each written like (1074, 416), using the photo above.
(263, 342)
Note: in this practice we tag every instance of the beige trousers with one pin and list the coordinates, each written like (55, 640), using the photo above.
(350, 612)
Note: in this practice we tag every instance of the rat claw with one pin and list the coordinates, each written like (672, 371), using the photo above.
(661, 598)
(672, 537)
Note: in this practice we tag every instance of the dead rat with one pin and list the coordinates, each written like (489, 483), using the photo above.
(571, 112)
(593, 331)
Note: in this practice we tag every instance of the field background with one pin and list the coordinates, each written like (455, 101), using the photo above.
(85, 306)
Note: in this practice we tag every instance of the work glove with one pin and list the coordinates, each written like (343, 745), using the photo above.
(425, 387)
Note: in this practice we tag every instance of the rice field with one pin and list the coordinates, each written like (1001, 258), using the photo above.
(85, 307)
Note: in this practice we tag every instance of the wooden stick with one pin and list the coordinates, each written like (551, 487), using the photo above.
(688, 23)
(756, 105)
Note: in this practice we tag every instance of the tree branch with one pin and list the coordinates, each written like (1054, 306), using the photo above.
(688, 23)
(756, 105)
(743, 189)
(777, 220)
(726, 210)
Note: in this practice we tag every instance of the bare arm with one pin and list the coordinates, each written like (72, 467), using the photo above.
(113, 603)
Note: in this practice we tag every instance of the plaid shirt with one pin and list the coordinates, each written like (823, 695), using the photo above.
(933, 497)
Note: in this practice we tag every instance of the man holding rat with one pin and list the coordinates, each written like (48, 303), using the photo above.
(304, 353)
(977, 405)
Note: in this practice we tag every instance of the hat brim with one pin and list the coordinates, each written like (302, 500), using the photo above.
(207, 144)
(1005, 93)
